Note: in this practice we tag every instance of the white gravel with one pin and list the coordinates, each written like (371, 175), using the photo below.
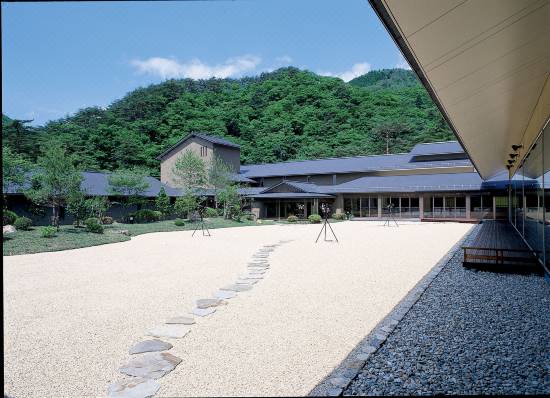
(70, 317)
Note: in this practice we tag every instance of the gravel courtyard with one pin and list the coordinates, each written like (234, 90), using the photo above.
(70, 317)
(470, 333)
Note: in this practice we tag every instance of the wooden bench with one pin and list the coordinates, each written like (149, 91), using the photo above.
(499, 248)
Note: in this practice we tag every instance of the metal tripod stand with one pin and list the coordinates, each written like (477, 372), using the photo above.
(202, 225)
(324, 228)
(390, 217)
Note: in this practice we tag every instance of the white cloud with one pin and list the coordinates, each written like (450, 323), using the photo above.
(167, 68)
(355, 71)
(402, 63)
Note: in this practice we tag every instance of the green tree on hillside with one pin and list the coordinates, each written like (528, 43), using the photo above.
(14, 169)
(18, 136)
(282, 115)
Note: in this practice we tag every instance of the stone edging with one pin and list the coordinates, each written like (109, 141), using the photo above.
(339, 379)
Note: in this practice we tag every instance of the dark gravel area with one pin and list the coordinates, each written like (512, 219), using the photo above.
(471, 332)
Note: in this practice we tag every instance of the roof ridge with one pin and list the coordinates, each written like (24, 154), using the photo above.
(331, 158)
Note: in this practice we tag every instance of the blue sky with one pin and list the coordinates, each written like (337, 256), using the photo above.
(60, 57)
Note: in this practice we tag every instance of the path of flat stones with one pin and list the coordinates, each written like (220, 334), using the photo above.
(150, 361)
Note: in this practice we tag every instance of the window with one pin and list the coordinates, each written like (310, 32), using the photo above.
(204, 151)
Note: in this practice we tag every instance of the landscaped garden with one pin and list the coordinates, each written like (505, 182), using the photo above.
(69, 237)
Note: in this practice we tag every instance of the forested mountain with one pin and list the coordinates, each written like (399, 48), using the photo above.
(284, 115)
(386, 78)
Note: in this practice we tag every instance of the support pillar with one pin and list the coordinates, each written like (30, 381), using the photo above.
(421, 207)
(468, 206)
(339, 204)
(494, 207)
(315, 209)
(379, 206)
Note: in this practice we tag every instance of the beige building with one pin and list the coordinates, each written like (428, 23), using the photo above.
(205, 146)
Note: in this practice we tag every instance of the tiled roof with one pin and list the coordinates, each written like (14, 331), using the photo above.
(436, 148)
(345, 165)
(409, 183)
(237, 177)
(97, 184)
(289, 195)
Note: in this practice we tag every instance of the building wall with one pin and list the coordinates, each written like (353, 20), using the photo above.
(231, 156)
(193, 144)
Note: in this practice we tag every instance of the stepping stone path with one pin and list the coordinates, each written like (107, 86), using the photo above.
(136, 387)
(170, 331)
(206, 303)
(153, 365)
(182, 320)
(224, 294)
(150, 345)
(203, 311)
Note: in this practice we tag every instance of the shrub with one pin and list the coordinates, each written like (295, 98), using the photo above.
(186, 204)
(249, 216)
(314, 218)
(23, 223)
(179, 222)
(107, 220)
(48, 232)
(93, 225)
(211, 212)
(146, 215)
(339, 216)
(8, 217)
(292, 219)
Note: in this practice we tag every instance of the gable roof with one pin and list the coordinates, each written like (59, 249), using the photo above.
(437, 148)
(210, 138)
(97, 184)
(356, 164)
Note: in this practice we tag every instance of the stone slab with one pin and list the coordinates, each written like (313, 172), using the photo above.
(341, 382)
(209, 302)
(224, 294)
(251, 276)
(169, 331)
(133, 388)
(153, 365)
(181, 320)
(246, 281)
(257, 271)
(203, 311)
(237, 288)
(149, 346)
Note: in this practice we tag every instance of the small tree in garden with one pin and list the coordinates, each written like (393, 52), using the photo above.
(79, 207)
(130, 185)
(98, 205)
(190, 171)
(186, 204)
(231, 201)
(55, 181)
(219, 176)
(162, 203)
